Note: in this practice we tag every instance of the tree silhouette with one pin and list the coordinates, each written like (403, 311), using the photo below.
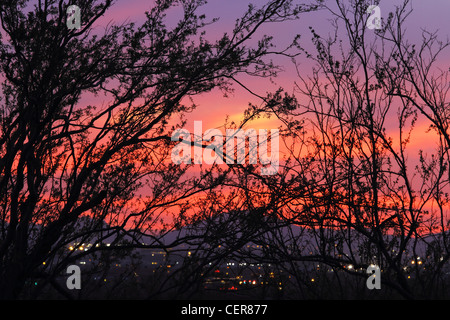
(94, 179)
(73, 173)
(352, 184)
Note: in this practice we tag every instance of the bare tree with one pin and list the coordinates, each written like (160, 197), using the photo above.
(351, 188)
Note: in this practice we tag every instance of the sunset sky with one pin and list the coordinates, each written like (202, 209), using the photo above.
(213, 107)
(100, 152)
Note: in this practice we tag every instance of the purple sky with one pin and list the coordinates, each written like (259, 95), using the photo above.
(432, 15)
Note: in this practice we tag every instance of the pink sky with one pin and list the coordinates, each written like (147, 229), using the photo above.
(213, 107)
